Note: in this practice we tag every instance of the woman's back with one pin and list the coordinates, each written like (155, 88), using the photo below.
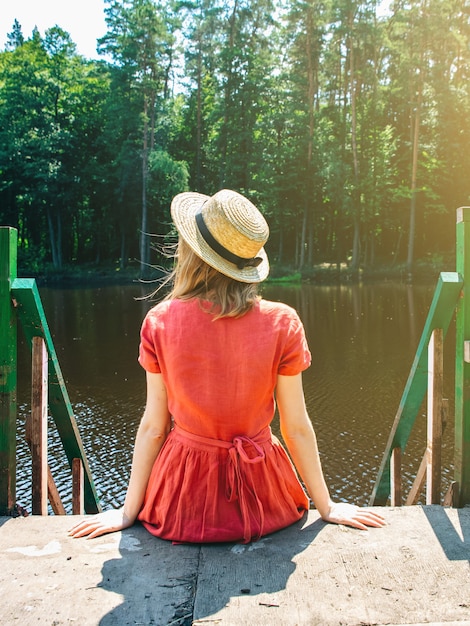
(221, 373)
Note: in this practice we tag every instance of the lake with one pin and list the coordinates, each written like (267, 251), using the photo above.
(363, 339)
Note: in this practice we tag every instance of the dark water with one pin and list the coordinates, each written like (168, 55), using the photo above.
(363, 339)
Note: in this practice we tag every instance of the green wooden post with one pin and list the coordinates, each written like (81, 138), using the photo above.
(8, 377)
(441, 312)
(33, 320)
(462, 362)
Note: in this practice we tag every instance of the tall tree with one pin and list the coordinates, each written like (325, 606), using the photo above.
(140, 43)
(355, 44)
(411, 33)
(242, 65)
(348, 127)
(15, 38)
(202, 26)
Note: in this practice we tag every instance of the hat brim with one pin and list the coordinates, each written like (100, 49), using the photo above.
(184, 208)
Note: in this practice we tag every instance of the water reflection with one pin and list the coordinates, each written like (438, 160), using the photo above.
(362, 337)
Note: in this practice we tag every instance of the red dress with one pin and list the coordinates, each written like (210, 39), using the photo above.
(221, 475)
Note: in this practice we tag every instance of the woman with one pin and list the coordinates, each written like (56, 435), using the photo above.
(206, 467)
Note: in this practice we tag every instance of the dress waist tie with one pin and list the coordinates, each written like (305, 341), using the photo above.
(241, 450)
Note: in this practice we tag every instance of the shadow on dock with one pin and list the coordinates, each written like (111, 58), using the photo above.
(415, 570)
(453, 533)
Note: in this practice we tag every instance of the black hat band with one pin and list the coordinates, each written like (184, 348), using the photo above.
(239, 261)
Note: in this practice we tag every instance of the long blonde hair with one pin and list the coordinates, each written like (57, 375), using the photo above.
(193, 278)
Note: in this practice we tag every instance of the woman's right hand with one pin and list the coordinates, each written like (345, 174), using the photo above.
(351, 515)
(108, 522)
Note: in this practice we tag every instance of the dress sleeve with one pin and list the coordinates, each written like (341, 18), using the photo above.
(296, 356)
(148, 358)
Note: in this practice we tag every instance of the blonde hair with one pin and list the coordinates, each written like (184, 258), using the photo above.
(194, 278)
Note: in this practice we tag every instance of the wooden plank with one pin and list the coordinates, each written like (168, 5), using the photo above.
(8, 376)
(34, 323)
(434, 422)
(53, 495)
(132, 577)
(39, 426)
(418, 483)
(317, 574)
(52, 491)
(396, 482)
(462, 367)
(77, 487)
(441, 311)
(466, 351)
(451, 497)
(420, 479)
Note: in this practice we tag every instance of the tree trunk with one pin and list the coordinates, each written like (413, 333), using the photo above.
(415, 130)
(414, 172)
(281, 246)
(356, 248)
(123, 255)
(59, 241)
(53, 240)
(310, 239)
(356, 195)
(199, 121)
(303, 235)
(312, 88)
(144, 237)
(228, 96)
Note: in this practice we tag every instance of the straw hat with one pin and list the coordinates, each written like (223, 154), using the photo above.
(226, 231)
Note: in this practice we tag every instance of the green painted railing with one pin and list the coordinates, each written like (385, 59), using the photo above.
(450, 296)
(440, 314)
(462, 362)
(20, 300)
(8, 380)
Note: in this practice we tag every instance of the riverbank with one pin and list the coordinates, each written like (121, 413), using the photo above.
(414, 571)
(322, 273)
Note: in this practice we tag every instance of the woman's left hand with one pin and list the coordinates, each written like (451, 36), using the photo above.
(351, 515)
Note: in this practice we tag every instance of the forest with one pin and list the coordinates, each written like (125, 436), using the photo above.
(347, 124)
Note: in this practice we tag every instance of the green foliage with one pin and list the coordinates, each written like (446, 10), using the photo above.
(167, 178)
(313, 108)
(295, 277)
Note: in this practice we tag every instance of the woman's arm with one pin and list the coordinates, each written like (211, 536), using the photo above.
(151, 435)
(300, 439)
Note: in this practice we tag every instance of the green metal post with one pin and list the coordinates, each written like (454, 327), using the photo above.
(8, 377)
(462, 362)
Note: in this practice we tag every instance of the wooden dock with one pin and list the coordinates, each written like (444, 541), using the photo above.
(416, 570)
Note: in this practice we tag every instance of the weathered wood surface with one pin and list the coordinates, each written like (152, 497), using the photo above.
(414, 571)
(395, 478)
(52, 492)
(435, 410)
(39, 473)
(78, 480)
(133, 578)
